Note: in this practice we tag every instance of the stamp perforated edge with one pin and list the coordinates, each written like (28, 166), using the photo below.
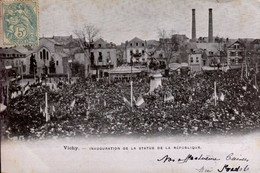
(1, 22)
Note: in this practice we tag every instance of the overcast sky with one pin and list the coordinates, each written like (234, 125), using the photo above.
(121, 20)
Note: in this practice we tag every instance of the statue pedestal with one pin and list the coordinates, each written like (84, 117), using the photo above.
(156, 81)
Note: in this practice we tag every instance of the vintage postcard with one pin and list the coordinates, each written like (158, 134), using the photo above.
(130, 86)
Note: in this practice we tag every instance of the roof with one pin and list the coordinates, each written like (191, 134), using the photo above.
(213, 47)
(136, 39)
(256, 41)
(9, 51)
(100, 40)
(236, 42)
(62, 39)
(124, 70)
(59, 40)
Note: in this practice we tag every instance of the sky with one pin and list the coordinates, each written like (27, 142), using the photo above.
(122, 20)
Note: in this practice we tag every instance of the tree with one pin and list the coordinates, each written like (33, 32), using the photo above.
(85, 38)
(33, 64)
(77, 69)
(52, 67)
(170, 45)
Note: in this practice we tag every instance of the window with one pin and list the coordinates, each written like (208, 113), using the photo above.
(100, 58)
(143, 52)
(57, 62)
(44, 54)
(131, 52)
(240, 53)
(92, 58)
(204, 62)
(131, 44)
(210, 53)
(197, 59)
(232, 53)
(136, 44)
(99, 45)
(41, 55)
(191, 59)
(143, 44)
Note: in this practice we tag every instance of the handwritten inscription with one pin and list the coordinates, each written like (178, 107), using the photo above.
(189, 157)
(203, 169)
(232, 157)
(226, 168)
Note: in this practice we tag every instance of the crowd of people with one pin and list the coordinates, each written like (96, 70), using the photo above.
(88, 107)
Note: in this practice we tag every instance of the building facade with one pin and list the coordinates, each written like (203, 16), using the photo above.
(102, 58)
(235, 53)
(195, 61)
(14, 59)
(51, 56)
(136, 48)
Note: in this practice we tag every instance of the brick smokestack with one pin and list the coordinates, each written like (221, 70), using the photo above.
(210, 36)
(193, 32)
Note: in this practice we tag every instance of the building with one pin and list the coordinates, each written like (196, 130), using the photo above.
(4, 82)
(213, 53)
(195, 61)
(103, 57)
(15, 59)
(255, 45)
(52, 51)
(136, 48)
(235, 54)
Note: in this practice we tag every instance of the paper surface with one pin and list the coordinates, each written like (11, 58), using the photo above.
(119, 21)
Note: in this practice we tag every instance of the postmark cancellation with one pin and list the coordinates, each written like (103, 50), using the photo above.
(19, 22)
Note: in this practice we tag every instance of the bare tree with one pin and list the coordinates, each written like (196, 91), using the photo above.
(169, 45)
(85, 39)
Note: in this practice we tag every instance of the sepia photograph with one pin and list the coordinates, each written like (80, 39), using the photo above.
(159, 86)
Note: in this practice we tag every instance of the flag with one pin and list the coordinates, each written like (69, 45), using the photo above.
(246, 71)
(169, 97)
(73, 103)
(140, 102)
(134, 100)
(47, 116)
(126, 102)
(41, 109)
(222, 97)
(256, 85)
(215, 93)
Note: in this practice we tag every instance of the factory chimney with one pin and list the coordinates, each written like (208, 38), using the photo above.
(210, 36)
(193, 32)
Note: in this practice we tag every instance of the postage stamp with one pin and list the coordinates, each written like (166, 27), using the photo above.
(20, 24)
